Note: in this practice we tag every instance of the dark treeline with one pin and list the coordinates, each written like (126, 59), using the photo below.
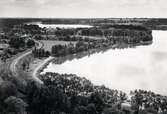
(86, 44)
(129, 27)
(160, 21)
(117, 33)
(112, 32)
(64, 32)
(128, 36)
(16, 45)
(77, 38)
(32, 29)
(92, 32)
(19, 38)
(70, 94)
(141, 99)
(77, 95)
(63, 50)
(8, 23)
(80, 46)
(156, 24)
(40, 53)
(17, 42)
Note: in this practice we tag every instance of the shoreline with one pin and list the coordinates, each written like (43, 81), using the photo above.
(62, 59)
(37, 70)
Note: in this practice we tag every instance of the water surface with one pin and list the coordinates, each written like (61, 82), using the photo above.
(65, 26)
(143, 67)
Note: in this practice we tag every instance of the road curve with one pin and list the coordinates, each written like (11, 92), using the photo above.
(15, 62)
(13, 65)
(36, 70)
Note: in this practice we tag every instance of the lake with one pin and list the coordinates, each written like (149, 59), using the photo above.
(143, 67)
(65, 26)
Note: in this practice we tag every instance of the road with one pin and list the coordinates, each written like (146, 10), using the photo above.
(35, 72)
(15, 62)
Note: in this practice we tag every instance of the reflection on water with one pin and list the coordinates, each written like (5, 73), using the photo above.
(143, 67)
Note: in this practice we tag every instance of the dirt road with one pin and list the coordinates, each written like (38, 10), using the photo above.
(16, 61)
(40, 66)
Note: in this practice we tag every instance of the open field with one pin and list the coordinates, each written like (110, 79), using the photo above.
(49, 43)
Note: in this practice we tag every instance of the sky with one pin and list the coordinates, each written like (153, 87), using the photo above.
(83, 8)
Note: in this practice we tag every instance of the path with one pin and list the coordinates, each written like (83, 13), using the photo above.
(36, 71)
(15, 62)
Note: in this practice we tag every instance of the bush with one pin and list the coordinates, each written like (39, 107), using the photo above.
(15, 104)
(17, 42)
(7, 89)
(112, 111)
(30, 43)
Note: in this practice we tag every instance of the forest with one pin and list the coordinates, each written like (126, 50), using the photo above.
(70, 94)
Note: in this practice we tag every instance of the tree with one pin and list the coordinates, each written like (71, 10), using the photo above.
(7, 89)
(40, 53)
(30, 43)
(112, 111)
(80, 110)
(91, 109)
(148, 111)
(96, 99)
(15, 104)
(45, 99)
(17, 42)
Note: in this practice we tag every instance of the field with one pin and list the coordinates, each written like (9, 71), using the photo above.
(49, 43)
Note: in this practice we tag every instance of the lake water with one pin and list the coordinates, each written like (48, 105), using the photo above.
(143, 67)
(65, 26)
